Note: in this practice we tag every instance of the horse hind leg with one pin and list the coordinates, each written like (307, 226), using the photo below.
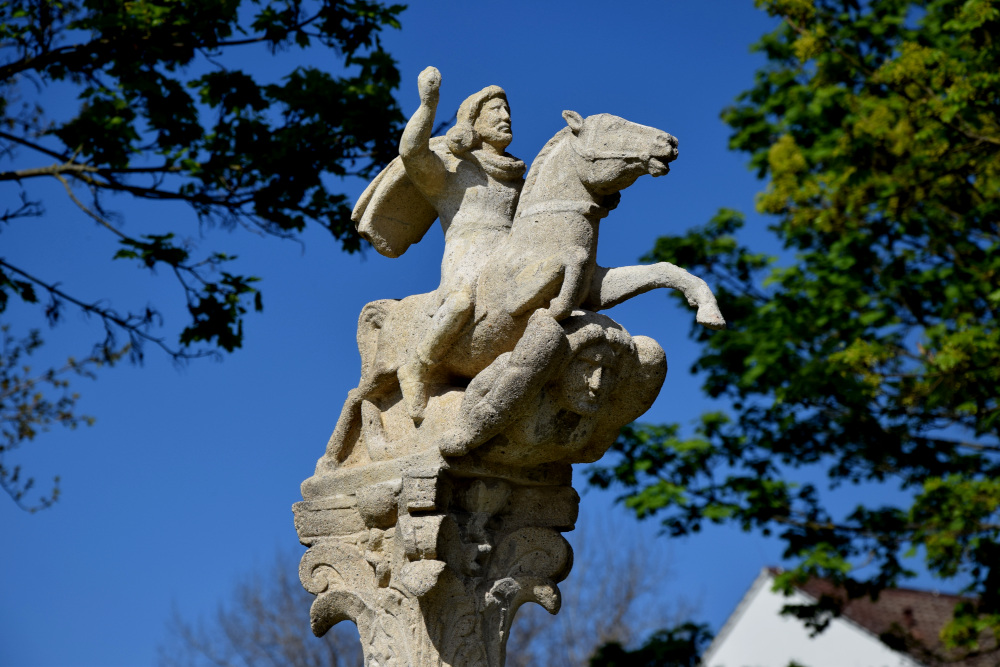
(348, 426)
(373, 381)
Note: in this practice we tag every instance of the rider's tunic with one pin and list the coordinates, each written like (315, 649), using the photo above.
(476, 208)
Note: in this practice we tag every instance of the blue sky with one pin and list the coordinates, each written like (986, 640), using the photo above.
(186, 481)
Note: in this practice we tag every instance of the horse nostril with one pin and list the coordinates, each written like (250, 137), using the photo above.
(667, 141)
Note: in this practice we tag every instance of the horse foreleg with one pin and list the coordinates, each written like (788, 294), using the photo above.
(610, 287)
(574, 288)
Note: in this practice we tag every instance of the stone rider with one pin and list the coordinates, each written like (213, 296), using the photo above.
(473, 185)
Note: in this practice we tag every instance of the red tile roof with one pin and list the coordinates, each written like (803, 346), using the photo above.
(913, 618)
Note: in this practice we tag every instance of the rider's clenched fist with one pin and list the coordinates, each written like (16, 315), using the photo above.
(428, 84)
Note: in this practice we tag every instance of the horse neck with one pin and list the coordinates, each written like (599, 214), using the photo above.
(557, 181)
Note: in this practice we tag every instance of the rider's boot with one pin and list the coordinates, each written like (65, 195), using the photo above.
(413, 384)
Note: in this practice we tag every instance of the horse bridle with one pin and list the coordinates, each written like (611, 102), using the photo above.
(592, 156)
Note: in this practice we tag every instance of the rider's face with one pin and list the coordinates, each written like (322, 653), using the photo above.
(493, 123)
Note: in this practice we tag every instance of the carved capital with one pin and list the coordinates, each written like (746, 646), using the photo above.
(434, 563)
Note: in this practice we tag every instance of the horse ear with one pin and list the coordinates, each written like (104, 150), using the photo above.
(574, 120)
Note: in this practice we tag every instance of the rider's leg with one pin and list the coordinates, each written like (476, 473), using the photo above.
(447, 324)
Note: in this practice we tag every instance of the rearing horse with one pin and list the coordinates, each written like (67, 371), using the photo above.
(547, 263)
(549, 259)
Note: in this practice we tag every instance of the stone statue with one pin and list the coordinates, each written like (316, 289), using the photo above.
(437, 508)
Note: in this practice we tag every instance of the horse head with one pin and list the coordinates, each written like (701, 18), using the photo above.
(613, 152)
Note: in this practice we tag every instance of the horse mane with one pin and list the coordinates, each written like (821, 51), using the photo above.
(539, 161)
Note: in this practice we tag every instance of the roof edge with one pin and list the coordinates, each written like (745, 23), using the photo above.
(763, 577)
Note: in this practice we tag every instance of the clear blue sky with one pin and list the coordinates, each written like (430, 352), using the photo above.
(186, 481)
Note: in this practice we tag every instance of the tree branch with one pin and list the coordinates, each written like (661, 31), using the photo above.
(53, 170)
(33, 146)
(79, 52)
(263, 38)
(100, 220)
(49, 57)
(978, 446)
(108, 316)
(27, 209)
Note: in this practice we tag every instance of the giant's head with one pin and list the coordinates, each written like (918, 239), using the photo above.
(607, 373)
(597, 349)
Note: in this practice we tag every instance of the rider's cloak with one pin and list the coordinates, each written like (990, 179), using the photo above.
(392, 213)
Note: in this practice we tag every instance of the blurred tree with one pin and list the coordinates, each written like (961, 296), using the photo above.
(265, 624)
(162, 114)
(870, 351)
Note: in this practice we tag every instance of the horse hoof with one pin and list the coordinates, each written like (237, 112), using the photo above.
(712, 319)
(411, 384)
(453, 444)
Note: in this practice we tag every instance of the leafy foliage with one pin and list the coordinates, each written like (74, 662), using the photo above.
(161, 114)
(873, 351)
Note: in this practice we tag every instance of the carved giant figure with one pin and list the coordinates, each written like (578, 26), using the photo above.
(438, 506)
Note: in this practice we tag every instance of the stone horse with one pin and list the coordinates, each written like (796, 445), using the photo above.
(547, 263)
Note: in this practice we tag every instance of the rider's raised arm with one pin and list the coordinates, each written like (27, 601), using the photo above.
(423, 165)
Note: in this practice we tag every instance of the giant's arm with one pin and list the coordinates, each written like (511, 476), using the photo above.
(508, 386)
(423, 166)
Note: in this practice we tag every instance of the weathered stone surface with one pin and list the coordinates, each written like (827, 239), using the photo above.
(437, 508)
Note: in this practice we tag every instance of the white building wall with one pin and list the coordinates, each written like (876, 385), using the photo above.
(757, 635)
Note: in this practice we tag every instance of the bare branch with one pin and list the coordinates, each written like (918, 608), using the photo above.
(100, 220)
(108, 316)
(978, 446)
(27, 209)
(264, 622)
